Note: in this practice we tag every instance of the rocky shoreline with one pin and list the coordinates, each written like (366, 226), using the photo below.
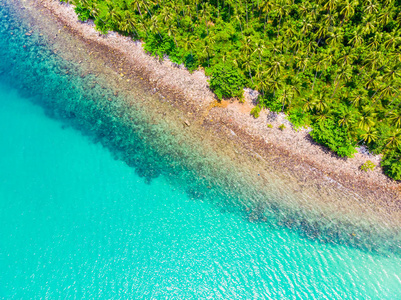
(290, 151)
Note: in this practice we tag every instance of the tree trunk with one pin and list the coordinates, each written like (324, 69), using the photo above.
(279, 24)
(146, 6)
(246, 7)
(396, 96)
(282, 109)
(266, 19)
(314, 79)
(335, 90)
(250, 75)
(336, 86)
(137, 5)
(342, 21)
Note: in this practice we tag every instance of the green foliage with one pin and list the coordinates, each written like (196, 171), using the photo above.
(270, 102)
(159, 45)
(393, 170)
(317, 61)
(298, 117)
(191, 62)
(102, 26)
(368, 165)
(255, 111)
(269, 125)
(392, 165)
(336, 138)
(83, 13)
(282, 127)
(226, 81)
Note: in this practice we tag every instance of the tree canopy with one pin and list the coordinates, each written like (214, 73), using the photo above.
(334, 65)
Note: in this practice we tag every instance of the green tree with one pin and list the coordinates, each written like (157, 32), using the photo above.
(226, 82)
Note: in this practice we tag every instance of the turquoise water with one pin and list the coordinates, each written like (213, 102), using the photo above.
(89, 209)
(75, 222)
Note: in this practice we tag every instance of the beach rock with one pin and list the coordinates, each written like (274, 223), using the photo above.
(186, 122)
(272, 116)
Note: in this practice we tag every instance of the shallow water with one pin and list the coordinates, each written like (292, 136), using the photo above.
(116, 213)
(75, 222)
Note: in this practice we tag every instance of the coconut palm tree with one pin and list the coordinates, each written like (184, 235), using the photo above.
(266, 7)
(259, 48)
(276, 66)
(370, 135)
(343, 74)
(395, 117)
(347, 10)
(394, 139)
(372, 7)
(367, 119)
(346, 117)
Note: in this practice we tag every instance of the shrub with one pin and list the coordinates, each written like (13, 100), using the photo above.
(83, 13)
(101, 26)
(160, 45)
(298, 118)
(338, 139)
(392, 166)
(255, 111)
(368, 165)
(191, 62)
(270, 125)
(270, 102)
(281, 127)
(394, 170)
(226, 82)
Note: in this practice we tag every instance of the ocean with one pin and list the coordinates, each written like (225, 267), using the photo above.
(81, 220)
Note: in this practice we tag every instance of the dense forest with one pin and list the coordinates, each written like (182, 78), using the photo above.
(333, 65)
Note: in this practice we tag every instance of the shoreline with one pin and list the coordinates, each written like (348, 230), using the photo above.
(177, 83)
(291, 153)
